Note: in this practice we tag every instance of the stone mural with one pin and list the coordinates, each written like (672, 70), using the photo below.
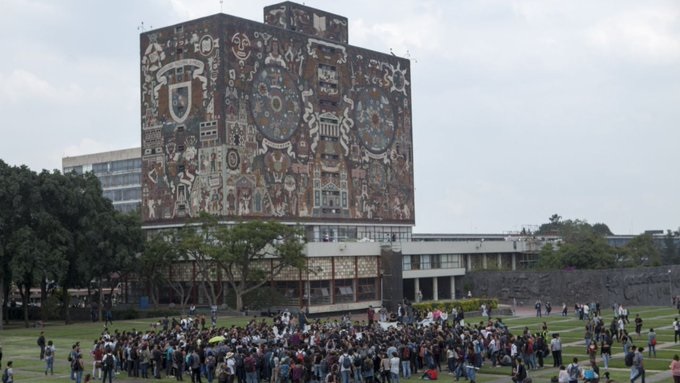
(639, 286)
(284, 119)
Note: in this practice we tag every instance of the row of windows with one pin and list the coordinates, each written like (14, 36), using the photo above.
(327, 292)
(117, 166)
(131, 194)
(432, 261)
(121, 180)
(358, 233)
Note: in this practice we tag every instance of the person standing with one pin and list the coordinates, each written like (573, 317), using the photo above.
(41, 344)
(537, 306)
(574, 371)
(77, 366)
(394, 368)
(108, 364)
(651, 343)
(49, 358)
(675, 368)
(9, 372)
(676, 328)
(371, 316)
(638, 324)
(556, 349)
(606, 349)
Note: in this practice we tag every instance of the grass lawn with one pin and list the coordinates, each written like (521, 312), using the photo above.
(19, 345)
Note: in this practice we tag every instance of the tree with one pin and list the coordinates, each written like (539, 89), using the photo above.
(253, 253)
(249, 254)
(153, 264)
(583, 245)
(641, 251)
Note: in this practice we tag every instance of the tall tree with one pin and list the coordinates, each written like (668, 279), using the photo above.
(153, 263)
(253, 253)
(641, 251)
(249, 254)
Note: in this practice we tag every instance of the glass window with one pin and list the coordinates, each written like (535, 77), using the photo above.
(344, 290)
(406, 264)
(425, 262)
(366, 289)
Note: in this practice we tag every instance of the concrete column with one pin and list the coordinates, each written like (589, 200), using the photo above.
(484, 262)
(468, 261)
(499, 261)
(514, 261)
(453, 287)
(416, 288)
(435, 288)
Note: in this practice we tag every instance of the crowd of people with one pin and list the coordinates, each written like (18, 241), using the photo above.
(296, 350)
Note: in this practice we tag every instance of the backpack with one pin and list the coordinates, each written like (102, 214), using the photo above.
(249, 364)
(284, 370)
(406, 353)
(238, 361)
(629, 359)
(358, 362)
(589, 375)
(346, 362)
(108, 362)
(573, 371)
(211, 361)
(368, 365)
(5, 376)
(48, 351)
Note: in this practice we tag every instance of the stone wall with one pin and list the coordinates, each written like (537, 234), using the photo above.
(634, 286)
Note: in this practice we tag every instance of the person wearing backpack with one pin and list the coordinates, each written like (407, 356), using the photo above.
(638, 368)
(405, 361)
(108, 365)
(250, 365)
(629, 356)
(49, 358)
(284, 370)
(357, 361)
(345, 362)
(574, 371)
(8, 373)
(78, 367)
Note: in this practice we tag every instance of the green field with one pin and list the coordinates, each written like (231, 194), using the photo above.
(19, 345)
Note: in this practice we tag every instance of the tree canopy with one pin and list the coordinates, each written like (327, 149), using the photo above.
(584, 246)
(59, 227)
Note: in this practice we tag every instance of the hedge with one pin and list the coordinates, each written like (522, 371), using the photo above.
(468, 305)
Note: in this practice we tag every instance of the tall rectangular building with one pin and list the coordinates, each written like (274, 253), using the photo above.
(118, 171)
(276, 120)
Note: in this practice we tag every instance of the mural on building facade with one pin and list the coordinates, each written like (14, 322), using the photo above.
(243, 119)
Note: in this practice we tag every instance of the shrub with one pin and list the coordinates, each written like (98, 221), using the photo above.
(468, 305)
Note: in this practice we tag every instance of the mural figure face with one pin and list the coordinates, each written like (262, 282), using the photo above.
(240, 46)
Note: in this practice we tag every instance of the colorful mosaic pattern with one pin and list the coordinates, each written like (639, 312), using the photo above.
(281, 120)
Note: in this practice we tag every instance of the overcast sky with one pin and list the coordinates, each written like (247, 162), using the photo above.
(522, 109)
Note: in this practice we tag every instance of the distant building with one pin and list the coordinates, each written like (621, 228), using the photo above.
(118, 171)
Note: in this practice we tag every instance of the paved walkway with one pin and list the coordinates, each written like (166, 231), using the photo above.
(545, 374)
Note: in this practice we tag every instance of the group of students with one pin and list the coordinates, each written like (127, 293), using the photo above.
(336, 351)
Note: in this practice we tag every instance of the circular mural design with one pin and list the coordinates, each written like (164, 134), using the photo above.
(233, 159)
(375, 119)
(275, 103)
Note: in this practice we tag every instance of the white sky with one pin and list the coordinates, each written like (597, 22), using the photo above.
(521, 109)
